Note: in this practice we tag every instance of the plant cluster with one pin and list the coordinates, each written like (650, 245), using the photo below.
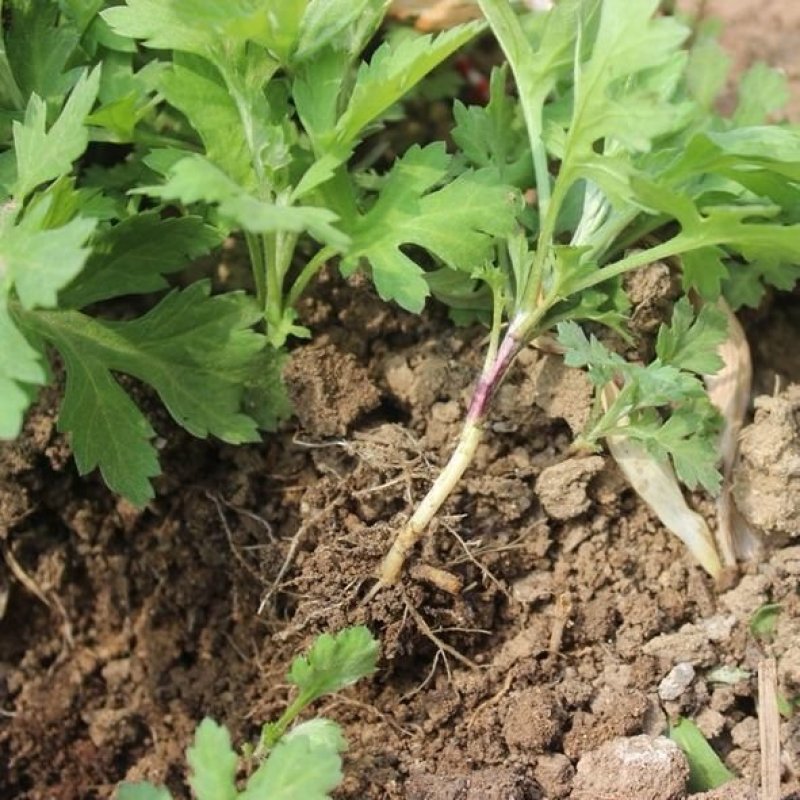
(216, 118)
(246, 116)
(303, 761)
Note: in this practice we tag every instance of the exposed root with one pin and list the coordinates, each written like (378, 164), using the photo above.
(49, 599)
(294, 546)
(441, 645)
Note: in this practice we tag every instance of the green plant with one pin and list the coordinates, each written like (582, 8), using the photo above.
(706, 769)
(303, 761)
(232, 116)
(632, 166)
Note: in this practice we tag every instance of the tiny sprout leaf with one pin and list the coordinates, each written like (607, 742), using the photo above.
(691, 341)
(142, 791)
(334, 661)
(728, 675)
(304, 763)
(706, 770)
(213, 763)
(765, 620)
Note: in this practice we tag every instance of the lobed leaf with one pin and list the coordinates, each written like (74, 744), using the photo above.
(457, 223)
(43, 155)
(334, 661)
(304, 763)
(198, 352)
(213, 763)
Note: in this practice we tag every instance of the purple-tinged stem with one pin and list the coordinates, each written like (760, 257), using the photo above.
(462, 457)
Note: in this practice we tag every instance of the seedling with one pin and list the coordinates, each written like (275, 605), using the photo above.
(706, 769)
(626, 150)
(236, 117)
(303, 761)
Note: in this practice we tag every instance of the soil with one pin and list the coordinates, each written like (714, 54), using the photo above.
(524, 656)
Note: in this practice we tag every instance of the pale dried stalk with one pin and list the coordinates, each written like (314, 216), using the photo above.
(769, 722)
(729, 390)
(655, 482)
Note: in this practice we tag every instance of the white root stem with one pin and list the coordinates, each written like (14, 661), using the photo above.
(442, 487)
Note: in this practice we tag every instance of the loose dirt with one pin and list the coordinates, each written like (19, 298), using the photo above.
(120, 629)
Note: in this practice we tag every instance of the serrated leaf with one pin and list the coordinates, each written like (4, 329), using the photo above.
(133, 257)
(195, 179)
(704, 271)
(747, 284)
(304, 763)
(457, 223)
(39, 47)
(43, 155)
(332, 23)
(762, 91)
(691, 341)
(490, 135)
(199, 26)
(586, 352)
(198, 352)
(394, 69)
(106, 428)
(21, 366)
(196, 89)
(142, 791)
(38, 263)
(333, 662)
(694, 455)
(213, 763)
(610, 91)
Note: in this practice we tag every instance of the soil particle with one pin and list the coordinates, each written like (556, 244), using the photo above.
(710, 722)
(733, 790)
(693, 642)
(494, 783)
(562, 392)
(534, 720)
(554, 773)
(745, 734)
(622, 718)
(767, 478)
(561, 489)
(676, 682)
(329, 389)
(652, 291)
(636, 768)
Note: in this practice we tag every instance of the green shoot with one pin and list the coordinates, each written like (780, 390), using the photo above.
(706, 770)
(624, 154)
(304, 761)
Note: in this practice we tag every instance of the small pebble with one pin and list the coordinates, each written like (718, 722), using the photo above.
(676, 682)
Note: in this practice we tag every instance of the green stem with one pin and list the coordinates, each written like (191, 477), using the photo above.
(309, 271)
(258, 266)
(672, 247)
(273, 302)
(508, 32)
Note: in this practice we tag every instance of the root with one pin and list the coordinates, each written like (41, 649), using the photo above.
(442, 646)
(442, 487)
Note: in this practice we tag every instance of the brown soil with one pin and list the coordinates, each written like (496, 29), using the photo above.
(120, 629)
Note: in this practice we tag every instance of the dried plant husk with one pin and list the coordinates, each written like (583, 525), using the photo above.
(729, 390)
(656, 483)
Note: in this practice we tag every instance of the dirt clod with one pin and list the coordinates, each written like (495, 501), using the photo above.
(533, 721)
(767, 478)
(329, 389)
(562, 488)
(636, 768)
